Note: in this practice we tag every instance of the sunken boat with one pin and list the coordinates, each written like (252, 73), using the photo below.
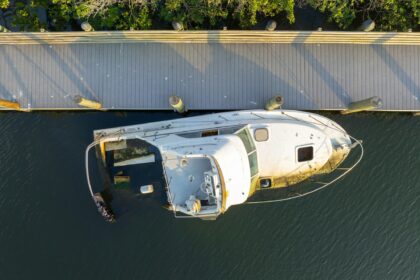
(199, 167)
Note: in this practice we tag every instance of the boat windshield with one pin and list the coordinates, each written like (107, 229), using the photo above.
(250, 148)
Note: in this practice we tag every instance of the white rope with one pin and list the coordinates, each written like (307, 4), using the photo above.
(91, 145)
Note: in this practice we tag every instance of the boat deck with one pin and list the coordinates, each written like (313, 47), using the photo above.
(186, 177)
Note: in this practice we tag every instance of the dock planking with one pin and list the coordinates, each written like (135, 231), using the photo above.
(221, 70)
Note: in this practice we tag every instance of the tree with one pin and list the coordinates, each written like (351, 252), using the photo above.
(4, 4)
(114, 14)
(195, 13)
(248, 10)
(26, 14)
(389, 15)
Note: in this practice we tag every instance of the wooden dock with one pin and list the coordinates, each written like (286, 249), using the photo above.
(139, 70)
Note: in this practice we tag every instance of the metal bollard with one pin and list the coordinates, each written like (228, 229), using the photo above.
(9, 104)
(271, 25)
(86, 26)
(363, 105)
(87, 103)
(178, 105)
(367, 25)
(274, 103)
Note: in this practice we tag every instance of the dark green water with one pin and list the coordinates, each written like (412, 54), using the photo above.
(367, 226)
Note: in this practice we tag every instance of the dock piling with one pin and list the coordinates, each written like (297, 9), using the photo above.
(367, 26)
(177, 26)
(274, 103)
(178, 105)
(84, 102)
(271, 25)
(363, 105)
(10, 105)
(3, 29)
(86, 26)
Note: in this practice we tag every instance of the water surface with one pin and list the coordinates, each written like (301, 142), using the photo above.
(367, 226)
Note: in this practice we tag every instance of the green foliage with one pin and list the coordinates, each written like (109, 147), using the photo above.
(82, 11)
(341, 11)
(122, 15)
(26, 15)
(396, 15)
(194, 13)
(60, 13)
(389, 15)
(4, 4)
(248, 10)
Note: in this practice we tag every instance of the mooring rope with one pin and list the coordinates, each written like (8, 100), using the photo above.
(91, 145)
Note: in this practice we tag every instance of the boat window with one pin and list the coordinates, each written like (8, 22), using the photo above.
(230, 129)
(190, 135)
(261, 134)
(305, 153)
(246, 139)
(210, 133)
(253, 163)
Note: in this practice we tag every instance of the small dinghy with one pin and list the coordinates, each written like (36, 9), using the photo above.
(201, 166)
